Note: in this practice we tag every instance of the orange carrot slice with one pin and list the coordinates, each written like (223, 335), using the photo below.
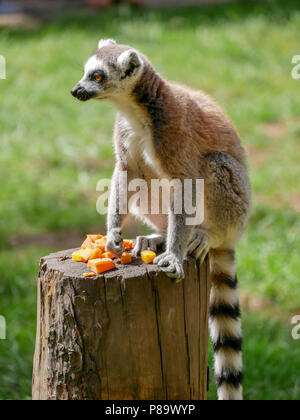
(102, 265)
(126, 258)
(127, 244)
(108, 254)
(89, 275)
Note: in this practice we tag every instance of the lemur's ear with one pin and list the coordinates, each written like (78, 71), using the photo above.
(106, 42)
(129, 61)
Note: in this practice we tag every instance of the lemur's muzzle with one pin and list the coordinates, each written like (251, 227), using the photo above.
(81, 93)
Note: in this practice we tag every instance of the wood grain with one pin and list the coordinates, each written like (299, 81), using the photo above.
(131, 334)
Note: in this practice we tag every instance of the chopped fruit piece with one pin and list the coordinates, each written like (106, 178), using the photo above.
(108, 255)
(126, 258)
(148, 256)
(100, 266)
(83, 255)
(128, 244)
(97, 253)
(76, 257)
(90, 240)
(89, 275)
(101, 243)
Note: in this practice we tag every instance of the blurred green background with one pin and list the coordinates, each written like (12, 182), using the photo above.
(54, 149)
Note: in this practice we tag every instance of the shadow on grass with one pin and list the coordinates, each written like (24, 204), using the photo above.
(181, 18)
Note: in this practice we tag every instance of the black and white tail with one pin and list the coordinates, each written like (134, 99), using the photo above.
(225, 325)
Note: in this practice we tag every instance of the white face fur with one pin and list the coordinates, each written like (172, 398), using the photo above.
(113, 70)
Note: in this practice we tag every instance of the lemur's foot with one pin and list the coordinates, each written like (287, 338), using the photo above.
(171, 265)
(152, 242)
(114, 242)
(198, 246)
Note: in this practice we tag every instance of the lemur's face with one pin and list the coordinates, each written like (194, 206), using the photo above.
(112, 71)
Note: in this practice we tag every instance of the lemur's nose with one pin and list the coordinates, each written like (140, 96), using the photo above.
(80, 93)
(74, 91)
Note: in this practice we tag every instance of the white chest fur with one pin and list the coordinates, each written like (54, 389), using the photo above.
(138, 139)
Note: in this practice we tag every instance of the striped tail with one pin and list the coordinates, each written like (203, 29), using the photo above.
(225, 325)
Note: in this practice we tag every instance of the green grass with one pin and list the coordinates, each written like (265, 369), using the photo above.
(18, 304)
(54, 149)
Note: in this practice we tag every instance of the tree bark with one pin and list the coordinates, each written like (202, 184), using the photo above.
(131, 334)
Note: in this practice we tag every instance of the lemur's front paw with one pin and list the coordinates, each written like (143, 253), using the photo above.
(114, 242)
(171, 264)
(198, 246)
(152, 242)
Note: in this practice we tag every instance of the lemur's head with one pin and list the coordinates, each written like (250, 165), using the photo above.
(113, 70)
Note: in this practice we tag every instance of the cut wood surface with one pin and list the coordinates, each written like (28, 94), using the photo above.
(130, 334)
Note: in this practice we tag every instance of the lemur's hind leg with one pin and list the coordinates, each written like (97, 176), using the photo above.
(154, 242)
(199, 245)
(171, 261)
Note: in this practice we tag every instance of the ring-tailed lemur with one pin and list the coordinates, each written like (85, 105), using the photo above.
(165, 130)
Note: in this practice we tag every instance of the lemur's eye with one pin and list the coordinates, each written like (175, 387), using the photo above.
(98, 78)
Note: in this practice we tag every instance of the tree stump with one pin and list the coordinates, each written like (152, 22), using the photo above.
(131, 334)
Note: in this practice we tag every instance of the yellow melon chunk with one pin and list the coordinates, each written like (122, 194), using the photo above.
(97, 253)
(148, 256)
(83, 255)
(90, 240)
